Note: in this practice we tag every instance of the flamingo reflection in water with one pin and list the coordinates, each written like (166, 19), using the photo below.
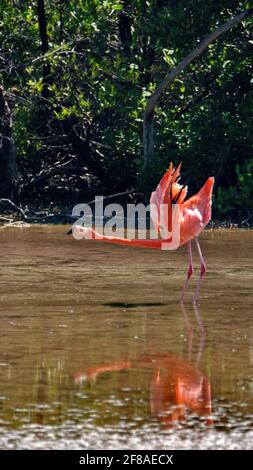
(177, 387)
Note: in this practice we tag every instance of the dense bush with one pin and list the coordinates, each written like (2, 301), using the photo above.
(78, 80)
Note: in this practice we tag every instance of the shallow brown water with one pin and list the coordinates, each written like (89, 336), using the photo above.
(97, 352)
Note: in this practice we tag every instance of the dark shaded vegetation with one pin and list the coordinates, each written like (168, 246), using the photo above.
(75, 79)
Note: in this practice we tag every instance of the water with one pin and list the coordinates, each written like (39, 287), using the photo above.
(97, 352)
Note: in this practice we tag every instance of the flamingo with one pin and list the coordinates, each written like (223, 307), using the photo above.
(195, 214)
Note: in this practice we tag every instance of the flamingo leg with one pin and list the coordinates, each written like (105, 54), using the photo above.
(189, 272)
(202, 271)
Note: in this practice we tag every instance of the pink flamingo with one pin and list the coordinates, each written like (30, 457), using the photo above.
(195, 213)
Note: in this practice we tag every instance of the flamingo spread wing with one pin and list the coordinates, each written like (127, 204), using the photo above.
(168, 191)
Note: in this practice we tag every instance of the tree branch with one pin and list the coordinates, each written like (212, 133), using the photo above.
(10, 205)
(113, 196)
(162, 87)
(55, 171)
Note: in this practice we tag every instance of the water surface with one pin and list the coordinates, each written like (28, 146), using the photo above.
(97, 352)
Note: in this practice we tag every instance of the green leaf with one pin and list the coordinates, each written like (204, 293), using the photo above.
(118, 7)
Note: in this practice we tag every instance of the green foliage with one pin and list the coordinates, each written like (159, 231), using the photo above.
(105, 59)
(237, 201)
